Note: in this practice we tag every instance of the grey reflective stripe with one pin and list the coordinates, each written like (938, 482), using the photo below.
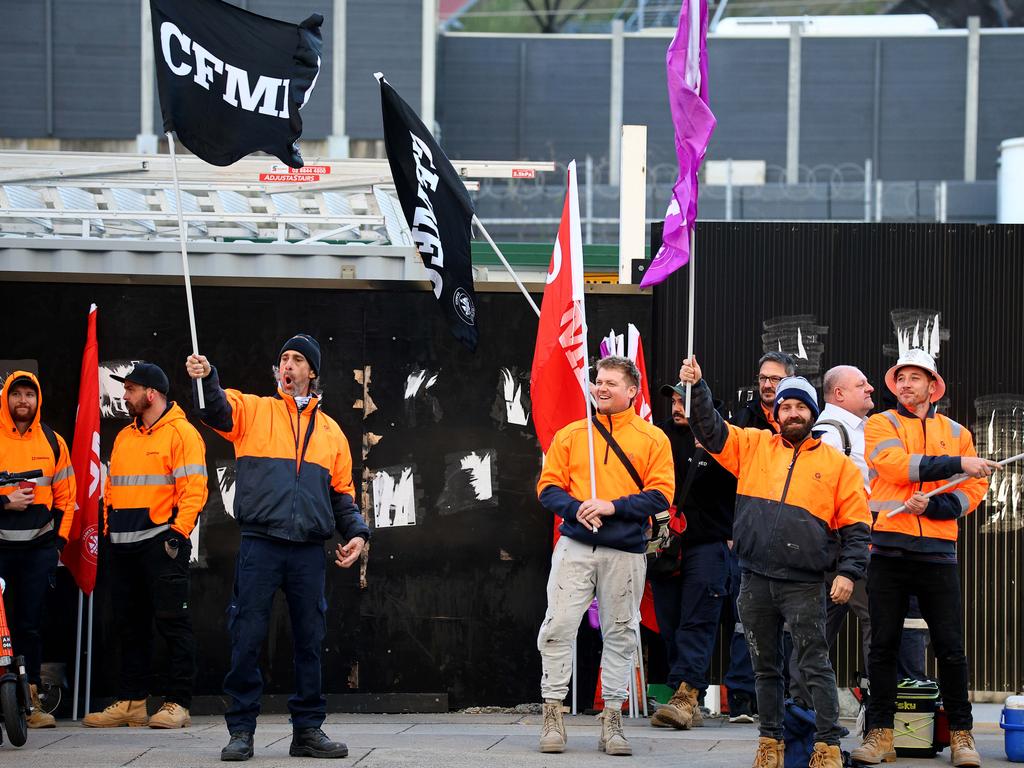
(65, 473)
(872, 474)
(884, 506)
(892, 442)
(893, 418)
(189, 469)
(965, 503)
(17, 535)
(130, 537)
(955, 428)
(914, 470)
(738, 628)
(42, 481)
(142, 480)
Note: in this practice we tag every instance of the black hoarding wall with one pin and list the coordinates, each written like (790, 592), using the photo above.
(856, 294)
(454, 585)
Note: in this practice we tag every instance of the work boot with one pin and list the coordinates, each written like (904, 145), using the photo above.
(313, 742)
(38, 718)
(697, 721)
(826, 756)
(876, 748)
(612, 740)
(961, 744)
(740, 710)
(122, 712)
(239, 747)
(171, 715)
(552, 731)
(678, 713)
(771, 753)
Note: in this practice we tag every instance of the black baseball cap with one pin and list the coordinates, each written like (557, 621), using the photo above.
(146, 375)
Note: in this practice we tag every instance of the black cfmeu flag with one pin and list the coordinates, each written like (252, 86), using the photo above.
(232, 82)
(437, 206)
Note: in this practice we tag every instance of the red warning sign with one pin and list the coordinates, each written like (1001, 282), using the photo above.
(524, 173)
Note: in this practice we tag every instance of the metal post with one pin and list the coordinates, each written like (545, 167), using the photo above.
(428, 63)
(588, 200)
(337, 142)
(146, 141)
(615, 111)
(48, 19)
(728, 189)
(867, 189)
(632, 199)
(78, 656)
(971, 104)
(793, 111)
(878, 200)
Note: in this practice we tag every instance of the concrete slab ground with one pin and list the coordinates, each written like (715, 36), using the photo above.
(445, 740)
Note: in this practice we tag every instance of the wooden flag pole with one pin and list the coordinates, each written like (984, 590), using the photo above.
(953, 483)
(691, 267)
(487, 236)
(182, 236)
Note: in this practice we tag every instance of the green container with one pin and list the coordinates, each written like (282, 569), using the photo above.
(660, 693)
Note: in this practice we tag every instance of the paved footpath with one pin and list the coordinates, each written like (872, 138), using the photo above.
(447, 741)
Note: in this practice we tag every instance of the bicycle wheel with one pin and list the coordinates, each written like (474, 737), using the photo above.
(14, 715)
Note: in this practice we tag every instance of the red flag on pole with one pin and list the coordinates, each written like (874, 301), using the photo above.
(83, 541)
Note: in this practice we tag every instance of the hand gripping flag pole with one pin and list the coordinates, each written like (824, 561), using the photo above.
(953, 483)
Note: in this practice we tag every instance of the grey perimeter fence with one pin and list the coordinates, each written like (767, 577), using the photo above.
(527, 210)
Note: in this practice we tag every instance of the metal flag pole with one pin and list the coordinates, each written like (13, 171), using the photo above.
(955, 482)
(88, 657)
(691, 267)
(487, 236)
(78, 656)
(182, 236)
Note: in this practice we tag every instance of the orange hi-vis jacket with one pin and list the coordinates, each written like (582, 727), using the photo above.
(293, 469)
(565, 480)
(53, 508)
(906, 454)
(800, 511)
(157, 479)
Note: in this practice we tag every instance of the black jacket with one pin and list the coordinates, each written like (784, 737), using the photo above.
(750, 415)
(708, 505)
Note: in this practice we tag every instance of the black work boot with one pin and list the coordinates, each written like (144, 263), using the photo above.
(239, 748)
(313, 742)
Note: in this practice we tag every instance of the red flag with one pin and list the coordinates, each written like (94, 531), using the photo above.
(558, 379)
(83, 541)
(642, 403)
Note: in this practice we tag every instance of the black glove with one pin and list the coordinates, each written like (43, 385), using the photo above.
(61, 543)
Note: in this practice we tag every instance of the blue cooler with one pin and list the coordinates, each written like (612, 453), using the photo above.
(1012, 721)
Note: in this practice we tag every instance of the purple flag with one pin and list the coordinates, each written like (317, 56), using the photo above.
(687, 65)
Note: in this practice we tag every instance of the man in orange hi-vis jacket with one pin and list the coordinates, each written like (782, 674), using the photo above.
(912, 450)
(35, 520)
(154, 493)
(800, 509)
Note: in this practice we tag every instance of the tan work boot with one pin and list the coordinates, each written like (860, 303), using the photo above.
(38, 718)
(171, 715)
(771, 753)
(961, 744)
(678, 713)
(697, 721)
(123, 712)
(826, 756)
(552, 731)
(613, 740)
(876, 748)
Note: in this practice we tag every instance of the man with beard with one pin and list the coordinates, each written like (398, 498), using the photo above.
(602, 544)
(772, 368)
(688, 604)
(155, 490)
(914, 450)
(293, 490)
(35, 520)
(800, 508)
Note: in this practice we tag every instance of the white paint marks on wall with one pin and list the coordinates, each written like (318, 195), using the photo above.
(226, 485)
(917, 329)
(394, 497)
(414, 383)
(470, 482)
(479, 468)
(112, 392)
(512, 391)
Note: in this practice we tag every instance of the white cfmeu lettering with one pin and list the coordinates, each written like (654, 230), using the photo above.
(424, 223)
(268, 97)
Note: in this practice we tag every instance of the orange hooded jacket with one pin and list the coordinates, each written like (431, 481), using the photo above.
(48, 519)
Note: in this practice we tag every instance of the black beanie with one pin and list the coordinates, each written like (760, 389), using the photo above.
(306, 346)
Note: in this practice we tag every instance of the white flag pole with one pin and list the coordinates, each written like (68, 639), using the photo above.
(691, 267)
(78, 656)
(182, 236)
(88, 657)
(953, 483)
(487, 236)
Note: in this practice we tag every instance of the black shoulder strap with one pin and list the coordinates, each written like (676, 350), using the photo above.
(51, 438)
(843, 432)
(617, 449)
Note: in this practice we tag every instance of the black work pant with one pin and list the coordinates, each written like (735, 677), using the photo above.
(891, 582)
(29, 574)
(152, 588)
